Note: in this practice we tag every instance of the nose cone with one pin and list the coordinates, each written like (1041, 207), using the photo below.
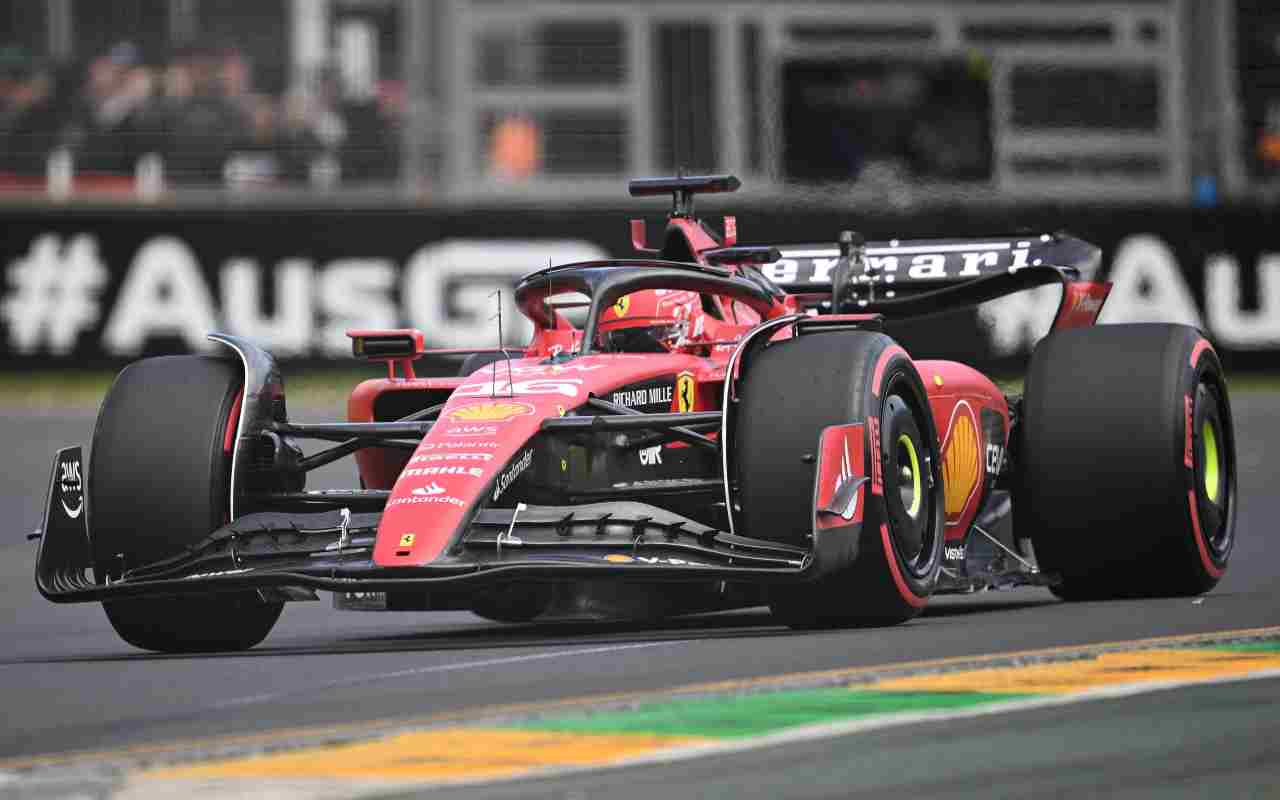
(476, 449)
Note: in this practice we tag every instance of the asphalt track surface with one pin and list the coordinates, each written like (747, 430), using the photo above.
(67, 683)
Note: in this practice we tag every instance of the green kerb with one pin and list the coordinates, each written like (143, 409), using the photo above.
(756, 714)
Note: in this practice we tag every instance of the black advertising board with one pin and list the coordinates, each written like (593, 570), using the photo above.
(100, 288)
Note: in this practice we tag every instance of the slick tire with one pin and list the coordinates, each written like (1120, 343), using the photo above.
(159, 482)
(1127, 483)
(792, 391)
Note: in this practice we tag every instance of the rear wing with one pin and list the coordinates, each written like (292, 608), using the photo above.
(906, 267)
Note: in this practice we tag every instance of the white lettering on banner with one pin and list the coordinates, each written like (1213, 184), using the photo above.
(356, 293)
(973, 262)
(291, 331)
(163, 294)
(1149, 286)
(460, 315)
(882, 263)
(55, 294)
(1231, 324)
(781, 271)
(928, 266)
(822, 268)
(564, 386)
(1016, 322)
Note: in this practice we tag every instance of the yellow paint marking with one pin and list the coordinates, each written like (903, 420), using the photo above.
(447, 754)
(1107, 669)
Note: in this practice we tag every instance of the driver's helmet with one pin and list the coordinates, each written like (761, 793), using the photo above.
(646, 322)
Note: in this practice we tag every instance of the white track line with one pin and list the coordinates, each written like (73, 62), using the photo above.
(357, 680)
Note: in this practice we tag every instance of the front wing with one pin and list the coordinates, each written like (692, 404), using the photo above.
(332, 551)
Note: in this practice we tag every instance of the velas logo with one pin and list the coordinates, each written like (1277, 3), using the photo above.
(961, 463)
(495, 411)
(423, 458)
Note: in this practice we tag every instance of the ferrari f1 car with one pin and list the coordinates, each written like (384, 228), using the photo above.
(707, 427)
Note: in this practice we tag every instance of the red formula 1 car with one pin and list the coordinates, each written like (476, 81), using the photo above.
(711, 426)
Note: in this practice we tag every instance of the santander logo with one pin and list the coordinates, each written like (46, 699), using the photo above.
(432, 488)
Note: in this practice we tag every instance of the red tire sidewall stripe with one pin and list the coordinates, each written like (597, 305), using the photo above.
(1213, 569)
(891, 557)
(1209, 566)
(882, 364)
(1200, 346)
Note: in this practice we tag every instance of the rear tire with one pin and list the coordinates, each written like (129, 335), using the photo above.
(1106, 492)
(792, 391)
(159, 482)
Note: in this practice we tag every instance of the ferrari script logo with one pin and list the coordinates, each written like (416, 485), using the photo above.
(490, 412)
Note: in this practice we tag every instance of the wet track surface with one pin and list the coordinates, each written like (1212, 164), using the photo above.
(67, 683)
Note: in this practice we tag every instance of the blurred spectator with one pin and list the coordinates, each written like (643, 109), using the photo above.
(107, 118)
(199, 112)
(205, 125)
(30, 115)
(257, 160)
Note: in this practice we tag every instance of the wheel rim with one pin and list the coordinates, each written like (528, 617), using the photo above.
(1214, 475)
(909, 482)
(1210, 467)
(909, 489)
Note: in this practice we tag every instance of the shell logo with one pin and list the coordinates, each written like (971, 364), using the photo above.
(961, 464)
(499, 411)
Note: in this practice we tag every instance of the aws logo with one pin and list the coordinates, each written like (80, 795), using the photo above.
(961, 461)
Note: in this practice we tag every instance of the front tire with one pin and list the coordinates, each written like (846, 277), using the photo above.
(1127, 486)
(159, 482)
(792, 391)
